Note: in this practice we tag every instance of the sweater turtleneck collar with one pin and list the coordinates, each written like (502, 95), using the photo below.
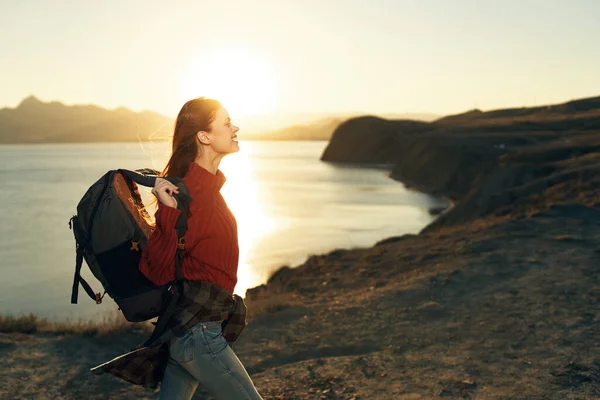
(199, 178)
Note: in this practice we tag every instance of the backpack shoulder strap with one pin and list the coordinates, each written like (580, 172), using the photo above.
(77, 279)
(144, 177)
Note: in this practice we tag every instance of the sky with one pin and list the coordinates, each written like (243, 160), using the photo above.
(265, 58)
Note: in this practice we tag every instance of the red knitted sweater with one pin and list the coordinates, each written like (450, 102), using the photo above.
(211, 242)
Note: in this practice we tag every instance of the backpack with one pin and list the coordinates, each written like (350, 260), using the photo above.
(111, 230)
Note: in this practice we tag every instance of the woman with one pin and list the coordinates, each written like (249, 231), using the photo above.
(203, 135)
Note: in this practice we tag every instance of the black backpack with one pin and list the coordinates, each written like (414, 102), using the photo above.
(111, 230)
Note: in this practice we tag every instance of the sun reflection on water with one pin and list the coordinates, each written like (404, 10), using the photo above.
(242, 197)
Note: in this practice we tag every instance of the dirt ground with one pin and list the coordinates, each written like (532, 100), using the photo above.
(506, 309)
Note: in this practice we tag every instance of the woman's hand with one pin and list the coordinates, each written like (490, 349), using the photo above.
(164, 190)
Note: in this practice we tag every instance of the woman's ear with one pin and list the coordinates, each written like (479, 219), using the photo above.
(203, 137)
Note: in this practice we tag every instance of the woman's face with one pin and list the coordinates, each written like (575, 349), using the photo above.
(222, 136)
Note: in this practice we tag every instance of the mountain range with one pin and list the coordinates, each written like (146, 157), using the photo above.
(35, 121)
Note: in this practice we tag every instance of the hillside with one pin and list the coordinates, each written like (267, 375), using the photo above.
(34, 121)
(445, 156)
(321, 129)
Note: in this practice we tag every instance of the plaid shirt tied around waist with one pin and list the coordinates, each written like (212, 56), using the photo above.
(202, 301)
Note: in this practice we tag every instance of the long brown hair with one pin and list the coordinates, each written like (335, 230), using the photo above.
(195, 115)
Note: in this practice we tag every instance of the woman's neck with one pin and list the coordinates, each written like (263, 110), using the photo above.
(211, 164)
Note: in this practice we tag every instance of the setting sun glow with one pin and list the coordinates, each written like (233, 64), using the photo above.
(241, 80)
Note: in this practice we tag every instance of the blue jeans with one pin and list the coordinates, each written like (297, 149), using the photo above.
(201, 355)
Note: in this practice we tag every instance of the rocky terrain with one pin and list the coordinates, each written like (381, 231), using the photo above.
(499, 298)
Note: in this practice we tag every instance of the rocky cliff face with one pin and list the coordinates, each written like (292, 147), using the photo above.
(477, 157)
(532, 180)
(370, 140)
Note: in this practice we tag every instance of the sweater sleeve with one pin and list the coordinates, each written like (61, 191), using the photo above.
(158, 257)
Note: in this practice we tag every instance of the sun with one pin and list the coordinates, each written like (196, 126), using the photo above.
(239, 78)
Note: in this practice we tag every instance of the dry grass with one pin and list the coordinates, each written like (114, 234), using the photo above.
(265, 302)
(262, 303)
(272, 297)
(114, 324)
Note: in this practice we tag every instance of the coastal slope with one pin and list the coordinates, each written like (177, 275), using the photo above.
(444, 157)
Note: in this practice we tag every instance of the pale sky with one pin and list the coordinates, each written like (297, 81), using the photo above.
(292, 56)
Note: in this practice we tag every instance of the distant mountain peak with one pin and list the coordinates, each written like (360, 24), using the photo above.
(37, 121)
(29, 101)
